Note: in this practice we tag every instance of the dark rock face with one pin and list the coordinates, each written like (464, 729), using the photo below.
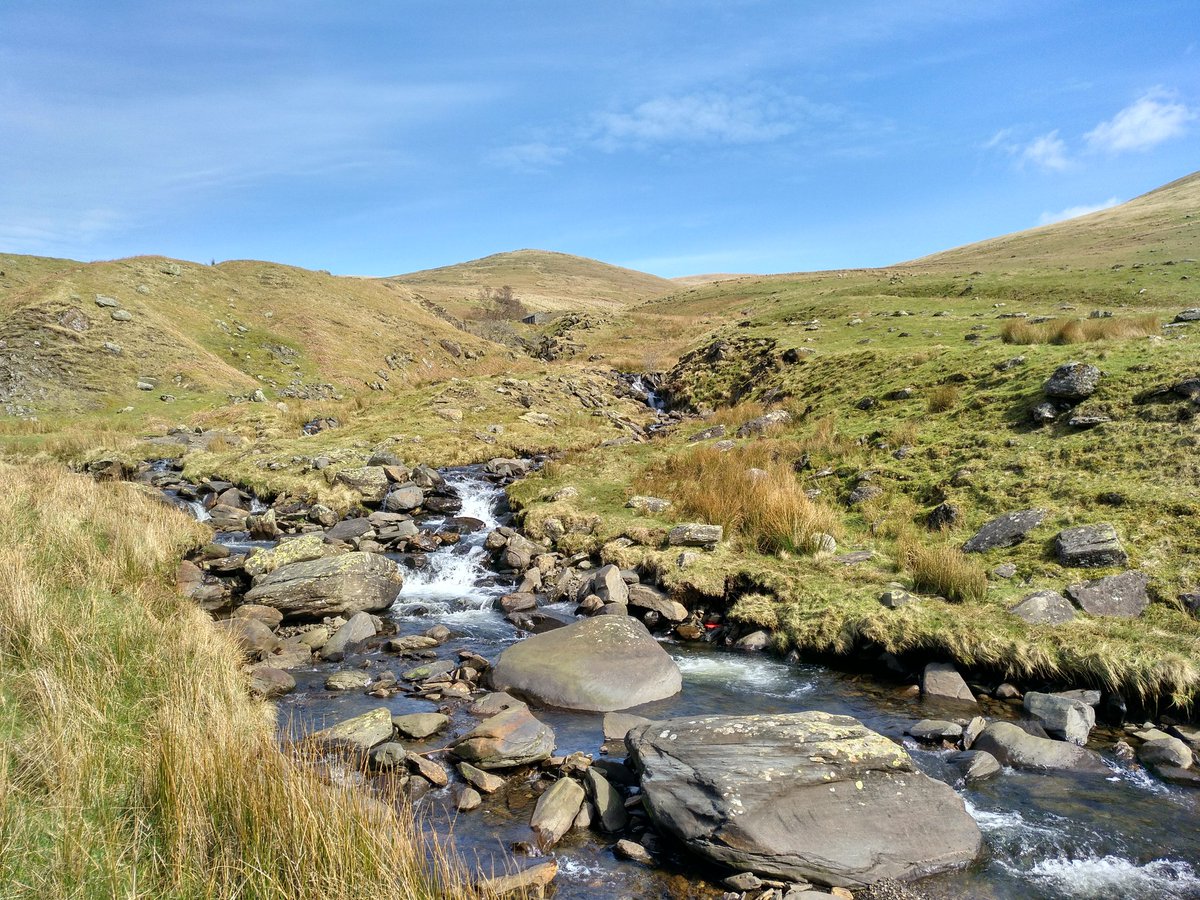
(601, 664)
(1121, 595)
(1090, 547)
(1003, 531)
(944, 515)
(804, 796)
(1072, 381)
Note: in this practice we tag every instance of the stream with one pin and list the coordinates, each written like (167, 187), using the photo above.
(1048, 836)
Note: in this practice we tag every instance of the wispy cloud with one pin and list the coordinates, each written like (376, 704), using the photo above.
(1154, 117)
(534, 156)
(718, 118)
(1047, 152)
(1071, 212)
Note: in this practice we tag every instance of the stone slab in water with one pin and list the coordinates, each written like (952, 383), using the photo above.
(803, 796)
(602, 664)
(335, 585)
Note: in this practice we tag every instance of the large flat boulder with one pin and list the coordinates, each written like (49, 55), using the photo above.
(804, 796)
(335, 585)
(600, 664)
(1004, 531)
(1044, 608)
(1013, 746)
(1122, 596)
(1064, 717)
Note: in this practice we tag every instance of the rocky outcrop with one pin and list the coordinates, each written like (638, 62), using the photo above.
(600, 664)
(335, 585)
(1065, 718)
(804, 796)
(1072, 382)
(696, 534)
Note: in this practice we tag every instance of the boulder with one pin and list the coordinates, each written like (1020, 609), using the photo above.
(359, 733)
(1013, 746)
(804, 796)
(1189, 315)
(941, 681)
(267, 683)
(1090, 547)
(610, 808)
(1003, 531)
(418, 726)
(306, 547)
(648, 506)
(265, 614)
(1072, 382)
(975, 765)
(253, 638)
(357, 629)
(349, 529)
(1044, 608)
(555, 811)
(1122, 596)
(508, 468)
(609, 586)
(403, 498)
(350, 680)
(1065, 718)
(762, 424)
(482, 781)
(601, 664)
(1165, 752)
(529, 882)
(510, 738)
(371, 482)
(695, 534)
(335, 585)
(935, 730)
(643, 599)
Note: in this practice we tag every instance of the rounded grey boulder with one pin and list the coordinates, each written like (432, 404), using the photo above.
(600, 664)
(331, 586)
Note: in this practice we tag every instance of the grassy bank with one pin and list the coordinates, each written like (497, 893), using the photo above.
(132, 762)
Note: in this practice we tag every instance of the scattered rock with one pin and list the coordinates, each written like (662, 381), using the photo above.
(510, 738)
(935, 730)
(1013, 746)
(482, 781)
(1004, 531)
(1123, 596)
(975, 765)
(696, 534)
(942, 681)
(418, 726)
(359, 733)
(357, 629)
(762, 424)
(648, 506)
(352, 680)
(556, 811)
(1073, 382)
(634, 852)
(943, 516)
(1065, 718)
(1044, 608)
(610, 809)
(1090, 546)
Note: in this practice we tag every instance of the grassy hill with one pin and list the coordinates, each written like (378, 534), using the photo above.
(542, 280)
(203, 333)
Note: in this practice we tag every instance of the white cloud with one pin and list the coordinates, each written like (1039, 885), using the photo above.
(1151, 119)
(1047, 152)
(531, 157)
(714, 118)
(1071, 212)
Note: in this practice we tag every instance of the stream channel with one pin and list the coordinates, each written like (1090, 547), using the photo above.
(1122, 836)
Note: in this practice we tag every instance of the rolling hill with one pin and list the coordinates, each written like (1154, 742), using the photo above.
(542, 281)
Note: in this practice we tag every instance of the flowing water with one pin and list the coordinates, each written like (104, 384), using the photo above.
(1048, 836)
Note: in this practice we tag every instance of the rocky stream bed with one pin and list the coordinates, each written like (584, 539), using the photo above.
(649, 760)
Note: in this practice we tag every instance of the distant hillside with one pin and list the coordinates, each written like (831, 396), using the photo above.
(76, 336)
(541, 280)
(1165, 222)
(692, 280)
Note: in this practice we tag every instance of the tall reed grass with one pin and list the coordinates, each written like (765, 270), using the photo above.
(1078, 331)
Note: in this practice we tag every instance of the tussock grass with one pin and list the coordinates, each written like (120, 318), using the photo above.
(132, 762)
(1078, 331)
(942, 398)
(945, 571)
(745, 491)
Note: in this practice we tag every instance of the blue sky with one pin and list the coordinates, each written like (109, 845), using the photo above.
(734, 136)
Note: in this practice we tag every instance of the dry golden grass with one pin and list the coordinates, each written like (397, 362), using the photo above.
(1078, 331)
(747, 491)
(133, 764)
(944, 570)
(942, 398)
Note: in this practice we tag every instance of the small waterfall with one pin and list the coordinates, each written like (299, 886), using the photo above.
(196, 508)
(648, 393)
(456, 579)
